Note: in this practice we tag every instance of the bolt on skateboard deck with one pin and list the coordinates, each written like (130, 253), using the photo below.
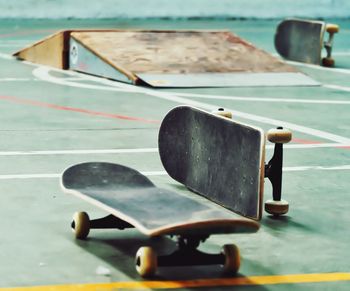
(222, 159)
(303, 40)
(134, 201)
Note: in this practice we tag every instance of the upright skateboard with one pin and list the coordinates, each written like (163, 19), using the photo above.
(303, 40)
(222, 159)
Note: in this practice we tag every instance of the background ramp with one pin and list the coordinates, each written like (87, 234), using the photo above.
(169, 58)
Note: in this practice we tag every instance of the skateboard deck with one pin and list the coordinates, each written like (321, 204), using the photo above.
(132, 197)
(219, 158)
(303, 40)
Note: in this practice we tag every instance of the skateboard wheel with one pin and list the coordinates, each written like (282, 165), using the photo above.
(232, 258)
(279, 135)
(146, 261)
(276, 207)
(328, 62)
(332, 28)
(223, 112)
(81, 225)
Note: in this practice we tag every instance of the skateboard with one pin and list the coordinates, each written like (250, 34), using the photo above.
(134, 201)
(222, 159)
(303, 41)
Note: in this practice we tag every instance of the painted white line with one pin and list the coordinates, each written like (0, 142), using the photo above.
(17, 79)
(154, 150)
(262, 119)
(320, 68)
(6, 56)
(154, 173)
(316, 168)
(78, 152)
(262, 99)
(313, 146)
(29, 176)
(43, 73)
(164, 173)
(336, 87)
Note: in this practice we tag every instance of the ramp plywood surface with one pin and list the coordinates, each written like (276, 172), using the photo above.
(179, 52)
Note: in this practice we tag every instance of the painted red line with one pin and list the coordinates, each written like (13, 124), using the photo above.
(74, 109)
(344, 147)
(305, 141)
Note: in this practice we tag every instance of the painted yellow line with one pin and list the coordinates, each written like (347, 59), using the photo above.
(238, 281)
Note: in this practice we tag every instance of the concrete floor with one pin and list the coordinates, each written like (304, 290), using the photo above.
(42, 133)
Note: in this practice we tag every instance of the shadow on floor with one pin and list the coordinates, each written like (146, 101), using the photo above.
(118, 249)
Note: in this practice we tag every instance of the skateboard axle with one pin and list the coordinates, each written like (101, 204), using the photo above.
(190, 257)
(110, 221)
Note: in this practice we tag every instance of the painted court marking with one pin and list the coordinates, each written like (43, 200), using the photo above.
(238, 281)
(164, 173)
(74, 109)
(17, 80)
(154, 150)
(263, 99)
(43, 73)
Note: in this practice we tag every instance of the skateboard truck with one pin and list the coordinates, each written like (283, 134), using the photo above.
(328, 61)
(82, 224)
(147, 261)
(273, 171)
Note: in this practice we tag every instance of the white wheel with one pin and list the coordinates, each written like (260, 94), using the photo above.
(279, 135)
(146, 262)
(223, 112)
(81, 225)
(232, 258)
(276, 207)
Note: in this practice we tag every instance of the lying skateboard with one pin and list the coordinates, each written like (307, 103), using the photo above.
(223, 160)
(303, 41)
(134, 201)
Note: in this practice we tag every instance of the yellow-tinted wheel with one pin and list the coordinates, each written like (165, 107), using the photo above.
(279, 135)
(81, 225)
(146, 262)
(223, 112)
(276, 207)
(232, 259)
(332, 28)
(328, 62)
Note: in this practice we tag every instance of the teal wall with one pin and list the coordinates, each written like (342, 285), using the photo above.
(172, 8)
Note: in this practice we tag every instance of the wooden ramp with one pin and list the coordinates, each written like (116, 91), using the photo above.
(164, 58)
